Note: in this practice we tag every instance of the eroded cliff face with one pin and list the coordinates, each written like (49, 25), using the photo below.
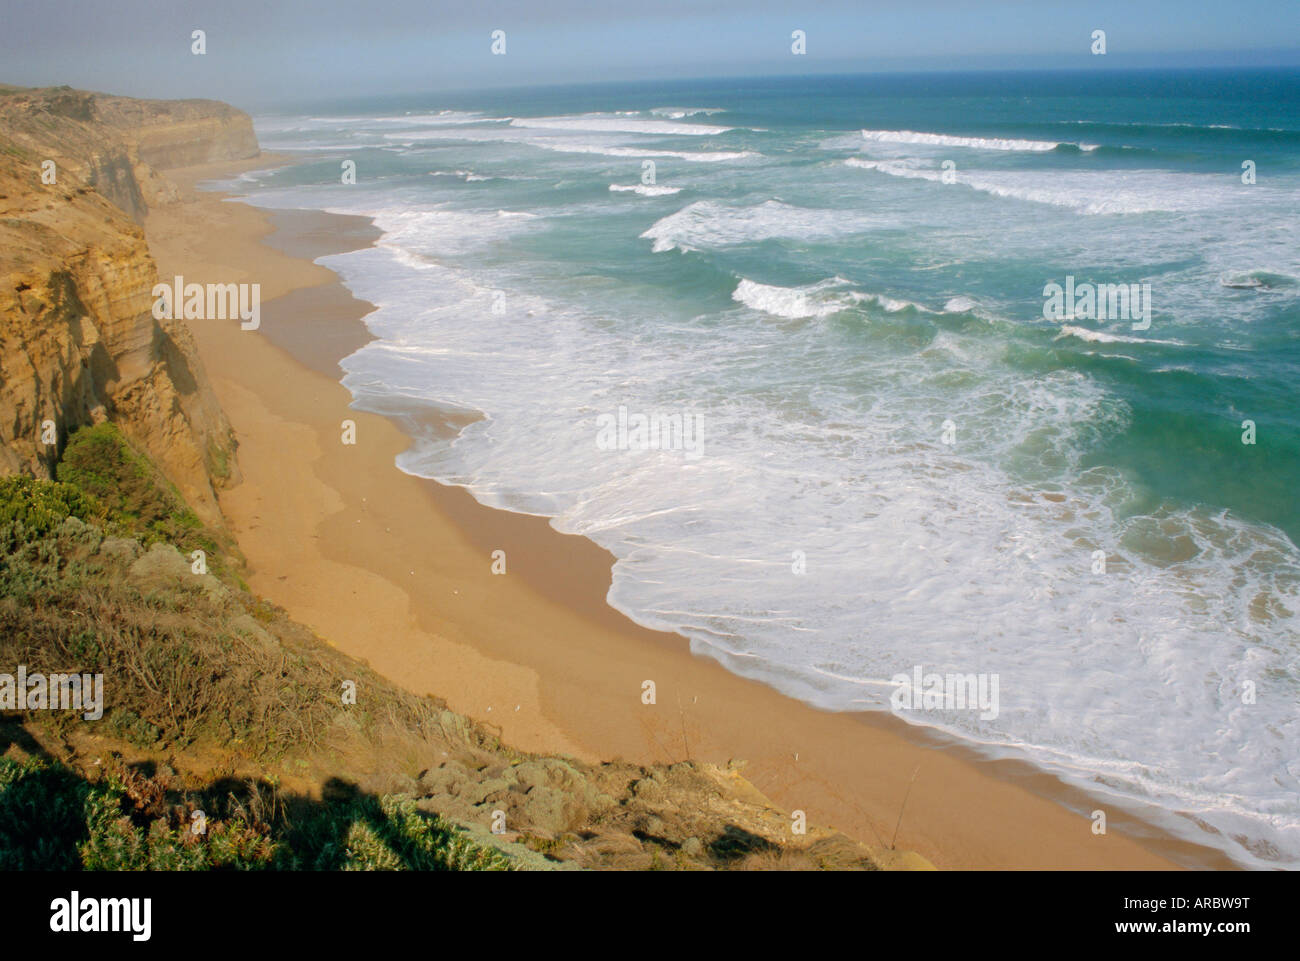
(78, 340)
(180, 133)
(118, 145)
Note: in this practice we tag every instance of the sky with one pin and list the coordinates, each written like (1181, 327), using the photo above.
(265, 52)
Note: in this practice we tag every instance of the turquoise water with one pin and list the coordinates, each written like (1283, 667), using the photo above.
(841, 282)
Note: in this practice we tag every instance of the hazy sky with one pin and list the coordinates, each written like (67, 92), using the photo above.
(260, 52)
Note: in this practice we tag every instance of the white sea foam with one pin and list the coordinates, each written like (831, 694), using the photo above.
(707, 223)
(645, 190)
(1269, 280)
(818, 300)
(698, 156)
(602, 123)
(976, 143)
(468, 176)
(1101, 337)
(948, 562)
(254, 177)
(1086, 192)
(815, 300)
(679, 113)
(824, 437)
(443, 117)
(890, 305)
(437, 231)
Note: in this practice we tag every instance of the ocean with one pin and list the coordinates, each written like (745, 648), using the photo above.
(852, 439)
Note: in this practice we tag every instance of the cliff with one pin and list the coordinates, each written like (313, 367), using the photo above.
(117, 145)
(78, 340)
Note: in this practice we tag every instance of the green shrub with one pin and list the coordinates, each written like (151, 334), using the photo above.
(430, 843)
(182, 672)
(134, 729)
(100, 462)
(42, 816)
(116, 843)
(363, 850)
(357, 832)
(31, 509)
(53, 819)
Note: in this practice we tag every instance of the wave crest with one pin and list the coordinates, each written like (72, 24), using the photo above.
(975, 143)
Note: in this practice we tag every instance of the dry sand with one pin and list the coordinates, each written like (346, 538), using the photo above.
(396, 571)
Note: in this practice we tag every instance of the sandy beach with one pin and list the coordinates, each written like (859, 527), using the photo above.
(397, 571)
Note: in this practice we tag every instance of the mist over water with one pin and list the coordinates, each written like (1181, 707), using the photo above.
(836, 275)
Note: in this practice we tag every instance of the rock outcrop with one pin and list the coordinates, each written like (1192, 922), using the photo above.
(78, 340)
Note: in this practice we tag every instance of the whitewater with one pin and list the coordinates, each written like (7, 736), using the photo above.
(903, 463)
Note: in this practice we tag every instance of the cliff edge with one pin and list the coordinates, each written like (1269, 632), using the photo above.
(118, 145)
(78, 340)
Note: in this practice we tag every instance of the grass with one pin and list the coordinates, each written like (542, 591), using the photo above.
(184, 672)
(181, 663)
(201, 675)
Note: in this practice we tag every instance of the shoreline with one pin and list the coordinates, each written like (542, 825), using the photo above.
(395, 570)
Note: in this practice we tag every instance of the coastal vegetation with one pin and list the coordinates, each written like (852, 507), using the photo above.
(226, 742)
